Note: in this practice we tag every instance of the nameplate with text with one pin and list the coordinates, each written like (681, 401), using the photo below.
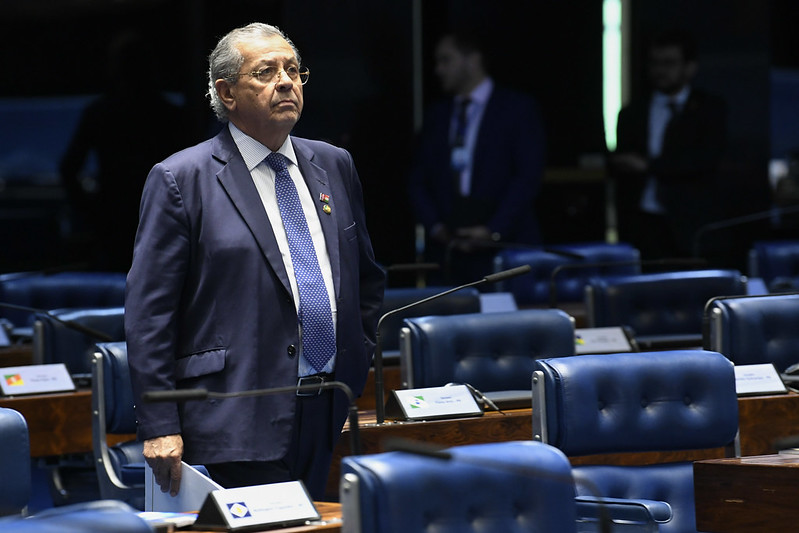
(432, 403)
(751, 380)
(35, 379)
(269, 506)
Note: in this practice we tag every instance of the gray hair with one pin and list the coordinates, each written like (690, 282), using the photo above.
(226, 59)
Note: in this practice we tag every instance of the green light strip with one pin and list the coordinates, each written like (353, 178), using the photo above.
(611, 68)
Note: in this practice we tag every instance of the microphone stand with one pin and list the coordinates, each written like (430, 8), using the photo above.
(71, 324)
(185, 395)
(380, 408)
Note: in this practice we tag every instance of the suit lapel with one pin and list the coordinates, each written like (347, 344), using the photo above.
(318, 183)
(237, 182)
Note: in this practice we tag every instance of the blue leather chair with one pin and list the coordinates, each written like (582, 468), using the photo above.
(89, 517)
(460, 302)
(755, 329)
(398, 492)
(120, 468)
(57, 291)
(776, 263)
(662, 310)
(638, 402)
(56, 342)
(15, 463)
(574, 264)
(490, 351)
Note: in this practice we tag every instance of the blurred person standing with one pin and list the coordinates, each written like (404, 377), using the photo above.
(669, 147)
(478, 165)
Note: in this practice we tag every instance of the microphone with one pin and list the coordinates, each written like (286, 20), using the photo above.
(424, 449)
(378, 357)
(739, 221)
(71, 324)
(186, 395)
(553, 289)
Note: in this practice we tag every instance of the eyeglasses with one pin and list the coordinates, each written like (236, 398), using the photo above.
(269, 74)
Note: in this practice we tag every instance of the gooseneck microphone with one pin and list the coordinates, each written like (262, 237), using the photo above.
(187, 395)
(380, 407)
(71, 324)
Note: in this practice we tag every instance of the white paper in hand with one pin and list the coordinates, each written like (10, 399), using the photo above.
(194, 487)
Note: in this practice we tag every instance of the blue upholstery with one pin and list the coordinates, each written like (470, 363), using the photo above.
(90, 517)
(491, 351)
(638, 402)
(534, 288)
(113, 413)
(460, 302)
(777, 263)
(665, 307)
(525, 487)
(15, 462)
(59, 291)
(54, 342)
(751, 330)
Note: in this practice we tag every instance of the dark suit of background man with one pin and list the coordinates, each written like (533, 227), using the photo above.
(212, 296)
(668, 150)
(476, 183)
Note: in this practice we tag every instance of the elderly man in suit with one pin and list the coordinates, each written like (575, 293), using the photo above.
(479, 162)
(669, 147)
(252, 269)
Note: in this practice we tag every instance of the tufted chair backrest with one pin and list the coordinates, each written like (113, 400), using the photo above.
(638, 402)
(15, 462)
(491, 351)
(576, 264)
(659, 305)
(512, 487)
(59, 291)
(777, 263)
(751, 330)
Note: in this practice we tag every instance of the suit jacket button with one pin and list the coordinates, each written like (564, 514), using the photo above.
(292, 350)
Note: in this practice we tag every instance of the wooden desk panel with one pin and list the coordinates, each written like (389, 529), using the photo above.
(747, 494)
(764, 419)
(60, 423)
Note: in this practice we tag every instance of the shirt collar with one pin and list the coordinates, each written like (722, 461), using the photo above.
(482, 92)
(254, 152)
(679, 98)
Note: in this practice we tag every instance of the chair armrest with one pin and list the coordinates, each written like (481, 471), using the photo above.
(624, 510)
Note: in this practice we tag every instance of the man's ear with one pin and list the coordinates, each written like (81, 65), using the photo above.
(225, 92)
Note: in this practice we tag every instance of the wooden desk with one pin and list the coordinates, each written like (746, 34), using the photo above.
(60, 423)
(762, 420)
(331, 518)
(747, 494)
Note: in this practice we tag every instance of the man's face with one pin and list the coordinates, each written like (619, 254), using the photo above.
(258, 106)
(452, 67)
(669, 72)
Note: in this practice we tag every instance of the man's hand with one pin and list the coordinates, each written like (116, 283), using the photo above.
(472, 238)
(164, 454)
(630, 162)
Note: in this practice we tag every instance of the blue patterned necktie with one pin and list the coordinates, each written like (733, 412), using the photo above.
(316, 319)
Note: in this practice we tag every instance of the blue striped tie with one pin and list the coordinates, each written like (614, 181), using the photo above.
(316, 319)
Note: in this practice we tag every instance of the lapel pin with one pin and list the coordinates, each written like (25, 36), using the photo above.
(326, 209)
(324, 198)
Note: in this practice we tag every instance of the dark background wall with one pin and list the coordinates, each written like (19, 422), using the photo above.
(360, 95)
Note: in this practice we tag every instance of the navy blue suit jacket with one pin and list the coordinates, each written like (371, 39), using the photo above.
(507, 166)
(209, 303)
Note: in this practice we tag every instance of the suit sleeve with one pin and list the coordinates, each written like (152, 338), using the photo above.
(528, 154)
(372, 276)
(152, 300)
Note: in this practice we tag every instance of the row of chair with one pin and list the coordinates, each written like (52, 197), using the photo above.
(582, 406)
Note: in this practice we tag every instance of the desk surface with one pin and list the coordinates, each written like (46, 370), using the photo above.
(762, 420)
(747, 494)
(59, 423)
